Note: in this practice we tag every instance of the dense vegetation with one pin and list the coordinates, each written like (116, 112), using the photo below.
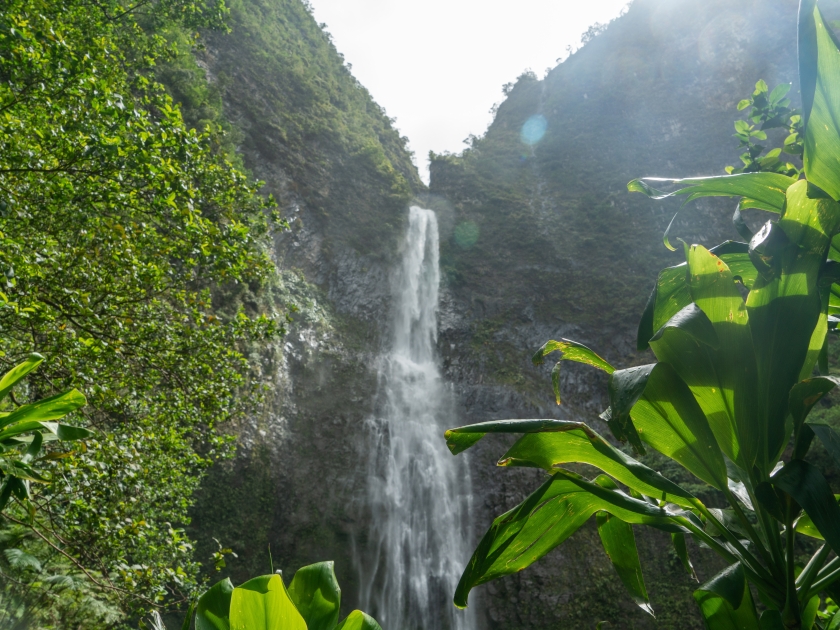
(737, 332)
(129, 243)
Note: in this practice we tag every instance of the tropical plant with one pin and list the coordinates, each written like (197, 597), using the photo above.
(311, 602)
(738, 331)
(25, 428)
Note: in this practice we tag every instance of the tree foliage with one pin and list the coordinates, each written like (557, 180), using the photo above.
(129, 245)
(740, 336)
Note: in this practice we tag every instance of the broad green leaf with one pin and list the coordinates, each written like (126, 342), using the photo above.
(213, 609)
(819, 67)
(802, 399)
(544, 520)
(834, 624)
(262, 603)
(569, 351)
(771, 620)
(51, 408)
(317, 596)
(559, 442)
(14, 375)
(784, 306)
(726, 602)
(805, 526)
(357, 620)
(669, 418)
(730, 393)
(620, 545)
(625, 388)
(712, 382)
(764, 190)
(460, 439)
(671, 293)
(808, 487)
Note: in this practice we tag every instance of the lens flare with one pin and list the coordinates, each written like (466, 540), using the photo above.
(534, 129)
(466, 234)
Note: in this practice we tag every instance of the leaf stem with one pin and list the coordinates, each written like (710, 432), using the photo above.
(771, 533)
(746, 556)
(826, 577)
(767, 587)
(811, 571)
(790, 615)
(754, 536)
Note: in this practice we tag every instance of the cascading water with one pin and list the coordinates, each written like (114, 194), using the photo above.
(418, 493)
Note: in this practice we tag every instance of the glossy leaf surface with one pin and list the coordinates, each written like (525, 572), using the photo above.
(358, 620)
(819, 60)
(543, 521)
(568, 442)
(317, 596)
(726, 602)
(212, 612)
(262, 603)
(670, 420)
(13, 376)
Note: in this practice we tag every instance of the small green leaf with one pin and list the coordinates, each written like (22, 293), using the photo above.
(681, 549)
(357, 620)
(570, 351)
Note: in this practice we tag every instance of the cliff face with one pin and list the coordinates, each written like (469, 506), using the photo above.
(539, 240)
(546, 242)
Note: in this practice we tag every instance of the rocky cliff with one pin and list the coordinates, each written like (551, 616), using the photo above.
(539, 240)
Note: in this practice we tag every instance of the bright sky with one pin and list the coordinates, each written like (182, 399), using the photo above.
(438, 66)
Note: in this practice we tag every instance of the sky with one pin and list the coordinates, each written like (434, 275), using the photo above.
(438, 66)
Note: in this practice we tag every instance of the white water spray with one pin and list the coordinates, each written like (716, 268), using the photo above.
(418, 493)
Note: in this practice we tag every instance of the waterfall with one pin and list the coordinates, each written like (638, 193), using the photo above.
(418, 493)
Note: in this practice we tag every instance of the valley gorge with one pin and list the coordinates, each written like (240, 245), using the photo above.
(539, 239)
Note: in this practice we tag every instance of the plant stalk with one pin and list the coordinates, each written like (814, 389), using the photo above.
(811, 571)
(790, 615)
(768, 587)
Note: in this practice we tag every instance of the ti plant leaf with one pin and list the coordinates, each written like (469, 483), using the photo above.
(263, 603)
(784, 306)
(317, 596)
(544, 520)
(669, 419)
(757, 190)
(620, 546)
(569, 351)
(547, 444)
(809, 488)
(726, 602)
(819, 66)
(13, 376)
(801, 400)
